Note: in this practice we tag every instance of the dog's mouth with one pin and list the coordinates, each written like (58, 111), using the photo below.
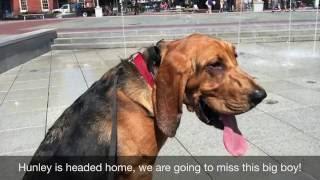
(233, 140)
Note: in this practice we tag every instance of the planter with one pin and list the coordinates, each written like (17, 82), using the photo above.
(98, 11)
(258, 7)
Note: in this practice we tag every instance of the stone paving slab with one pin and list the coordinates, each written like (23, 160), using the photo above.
(22, 120)
(305, 119)
(27, 94)
(277, 138)
(304, 96)
(21, 139)
(280, 103)
(307, 81)
(34, 95)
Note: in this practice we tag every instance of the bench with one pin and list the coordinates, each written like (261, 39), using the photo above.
(189, 10)
(25, 16)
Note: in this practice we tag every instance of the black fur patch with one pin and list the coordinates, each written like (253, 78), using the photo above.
(72, 134)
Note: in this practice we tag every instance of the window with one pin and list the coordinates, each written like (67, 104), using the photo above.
(65, 6)
(81, 2)
(45, 5)
(23, 6)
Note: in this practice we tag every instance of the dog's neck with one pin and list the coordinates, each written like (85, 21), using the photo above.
(140, 64)
(137, 88)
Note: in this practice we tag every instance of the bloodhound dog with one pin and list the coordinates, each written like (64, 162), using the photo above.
(199, 71)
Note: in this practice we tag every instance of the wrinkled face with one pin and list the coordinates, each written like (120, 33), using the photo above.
(218, 85)
(203, 73)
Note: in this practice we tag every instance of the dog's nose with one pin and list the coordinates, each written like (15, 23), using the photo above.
(257, 96)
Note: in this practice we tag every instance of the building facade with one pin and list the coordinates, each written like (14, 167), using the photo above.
(15, 7)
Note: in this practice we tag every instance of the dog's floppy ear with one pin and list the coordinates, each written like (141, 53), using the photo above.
(152, 55)
(169, 90)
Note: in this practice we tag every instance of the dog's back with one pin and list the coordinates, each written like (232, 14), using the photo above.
(75, 134)
(83, 130)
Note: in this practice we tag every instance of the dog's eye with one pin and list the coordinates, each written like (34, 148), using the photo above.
(217, 66)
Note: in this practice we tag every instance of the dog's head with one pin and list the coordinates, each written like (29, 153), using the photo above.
(202, 73)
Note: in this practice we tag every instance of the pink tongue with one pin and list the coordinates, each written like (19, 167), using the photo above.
(233, 140)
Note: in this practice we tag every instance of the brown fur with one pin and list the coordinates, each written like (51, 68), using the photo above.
(181, 78)
(191, 68)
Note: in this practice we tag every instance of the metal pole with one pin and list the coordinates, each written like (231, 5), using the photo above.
(315, 32)
(123, 31)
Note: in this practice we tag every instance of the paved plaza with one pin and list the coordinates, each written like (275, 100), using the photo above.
(34, 94)
(179, 20)
(182, 21)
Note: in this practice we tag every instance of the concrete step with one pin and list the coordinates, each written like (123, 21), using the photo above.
(142, 37)
(251, 34)
(232, 28)
(140, 44)
(110, 45)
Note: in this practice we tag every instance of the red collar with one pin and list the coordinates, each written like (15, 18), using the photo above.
(141, 66)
